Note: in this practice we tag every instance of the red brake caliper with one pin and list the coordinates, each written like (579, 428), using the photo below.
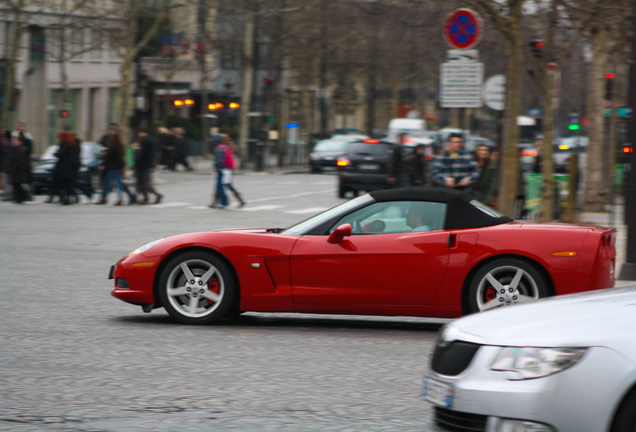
(213, 285)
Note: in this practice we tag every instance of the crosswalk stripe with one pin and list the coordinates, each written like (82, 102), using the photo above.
(259, 208)
(307, 210)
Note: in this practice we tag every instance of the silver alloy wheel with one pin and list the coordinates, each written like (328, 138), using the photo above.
(506, 285)
(195, 288)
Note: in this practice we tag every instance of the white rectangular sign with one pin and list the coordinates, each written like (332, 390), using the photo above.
(462, 55)
(461, 84)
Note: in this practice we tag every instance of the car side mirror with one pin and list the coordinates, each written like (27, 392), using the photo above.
(339, 233)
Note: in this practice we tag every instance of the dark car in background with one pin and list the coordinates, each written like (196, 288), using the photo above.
(365, 166)
(325, 154)
(42, 176)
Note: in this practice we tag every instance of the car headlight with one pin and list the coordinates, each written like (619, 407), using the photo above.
(531, 362)
(145, 247)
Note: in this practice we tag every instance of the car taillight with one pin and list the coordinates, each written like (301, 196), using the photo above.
(342, 162)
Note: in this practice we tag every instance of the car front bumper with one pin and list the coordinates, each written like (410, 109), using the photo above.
(581, 398)
(133, 279)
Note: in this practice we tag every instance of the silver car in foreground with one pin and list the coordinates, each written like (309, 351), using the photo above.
(563, 364)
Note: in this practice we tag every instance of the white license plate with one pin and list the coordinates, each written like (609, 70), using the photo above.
(368, 167)
(437, 392)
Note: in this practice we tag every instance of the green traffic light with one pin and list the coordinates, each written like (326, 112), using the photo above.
(574, 127)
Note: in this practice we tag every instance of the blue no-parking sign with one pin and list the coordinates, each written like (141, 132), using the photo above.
(463, 29)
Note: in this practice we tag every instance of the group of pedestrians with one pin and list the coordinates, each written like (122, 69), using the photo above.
(113, 167)
(453, 167)
(174, 148)
(15, 163)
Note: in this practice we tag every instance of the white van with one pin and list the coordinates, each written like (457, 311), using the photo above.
(411, 126)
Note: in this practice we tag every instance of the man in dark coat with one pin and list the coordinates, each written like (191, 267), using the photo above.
(145, 150)
(18, 167)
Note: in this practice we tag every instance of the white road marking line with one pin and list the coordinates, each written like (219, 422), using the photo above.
(307, 210)
(259, 208)
(169, 204)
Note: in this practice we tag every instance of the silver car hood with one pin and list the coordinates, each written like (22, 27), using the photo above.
(595, 318)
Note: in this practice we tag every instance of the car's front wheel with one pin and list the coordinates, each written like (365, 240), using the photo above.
(504, 282)
(196, 287)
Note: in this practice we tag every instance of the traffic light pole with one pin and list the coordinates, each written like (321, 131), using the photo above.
(628, 272)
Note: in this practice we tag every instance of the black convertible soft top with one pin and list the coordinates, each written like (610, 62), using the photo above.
(460, 213)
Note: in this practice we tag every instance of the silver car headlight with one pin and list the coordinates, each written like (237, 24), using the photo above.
(531, 362)
(145, 247)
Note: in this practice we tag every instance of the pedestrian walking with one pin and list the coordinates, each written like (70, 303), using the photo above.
(416, 167)
(455, 168)
(182, 150)
(5, 144)
(27, 140)
(224, 164)
(398, 171)
(486, 187)
(145, 151)
(85, 188)
(168, 147)
(66, 168)
(18, 168)
(113, 165)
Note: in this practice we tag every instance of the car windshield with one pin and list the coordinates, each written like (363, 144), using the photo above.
(330, 145)
(370, 149)
(308, 224)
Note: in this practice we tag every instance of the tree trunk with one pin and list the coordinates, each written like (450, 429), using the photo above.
(595, 198)
(546, 207)
(9, 83)
(246, 91)
(509, 174)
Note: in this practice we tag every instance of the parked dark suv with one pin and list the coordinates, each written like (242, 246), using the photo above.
(365, 166)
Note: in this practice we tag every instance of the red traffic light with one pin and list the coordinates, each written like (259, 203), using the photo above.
(63, 113)
(269, 80)
(627, 149)
(609, 75)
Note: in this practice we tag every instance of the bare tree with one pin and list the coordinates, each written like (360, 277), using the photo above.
(506, 17)
(125, 38)
(600, 21)
(15, 9)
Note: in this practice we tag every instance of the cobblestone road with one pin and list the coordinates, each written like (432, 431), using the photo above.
(72, 358)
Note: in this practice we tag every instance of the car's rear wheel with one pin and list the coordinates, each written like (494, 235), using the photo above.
(197, 287)
(625, 420)
(504, 282)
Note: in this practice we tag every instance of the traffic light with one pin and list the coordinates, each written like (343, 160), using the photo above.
(64, 113)
(536, 47)
(575, 123)
(609, 85)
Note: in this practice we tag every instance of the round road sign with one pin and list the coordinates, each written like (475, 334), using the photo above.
(493, 92)
(463, 29)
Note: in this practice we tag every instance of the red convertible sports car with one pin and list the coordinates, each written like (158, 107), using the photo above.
(414, 252)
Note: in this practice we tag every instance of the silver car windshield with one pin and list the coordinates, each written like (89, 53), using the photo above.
(309, 224)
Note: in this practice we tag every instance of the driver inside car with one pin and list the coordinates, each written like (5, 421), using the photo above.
(415, 218)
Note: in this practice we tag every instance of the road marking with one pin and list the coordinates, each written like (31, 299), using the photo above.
(308, 210)
(170, 204)
(259, 208)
